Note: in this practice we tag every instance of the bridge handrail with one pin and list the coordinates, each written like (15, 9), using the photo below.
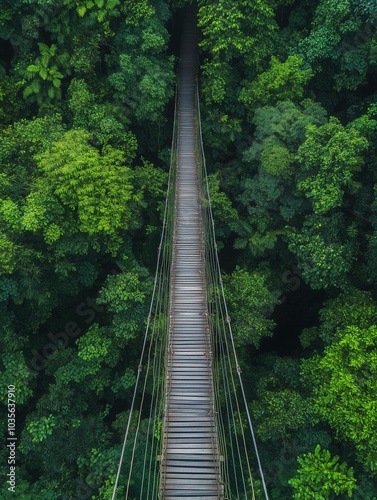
(211, 227)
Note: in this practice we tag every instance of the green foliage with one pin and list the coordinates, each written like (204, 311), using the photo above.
(233, 32)
(94, 344)
(141, 74)
(325, 262)
(18, 145)
(102, 120)
(16, 372)
(288, 122)
(225, 215)
(283, 81)
(280, 410)
(137, 11)
(353, 308)
(7, 255)
(127, 296)
(320, 476)
(340, 38)
(86, 53)
(280, 130)
(90, 371)
(98, 9)
(329, 158)
(344, 389)
(45, 75)
(277, 160)
(93, 189)
(249, 301)
(268, 190)
(123, 382)
(84, 92)
(280, 413)
(40, 428)
(10, 102)
(71, 200)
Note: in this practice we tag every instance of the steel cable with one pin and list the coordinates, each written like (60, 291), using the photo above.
(162, 259)
(229, 327)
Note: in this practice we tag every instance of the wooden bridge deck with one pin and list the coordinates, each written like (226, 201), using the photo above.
(190, 458)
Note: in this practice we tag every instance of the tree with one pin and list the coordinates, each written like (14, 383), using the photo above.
(45, 75)
(341, 40)
(127, 296)
(281, 409)
(101, 120)
(16, 372)
(141, 74)
(80, 184)
(281, 82)
(323, 251)
(237, 43)
(11, 108)
(18, 145)
(267, 184)
(232, 32)
(280, 413)
(344, 389)
(352, 308)
(97, 9)
(329, 159)
(249, 301)
(225, 215)
(320, 476)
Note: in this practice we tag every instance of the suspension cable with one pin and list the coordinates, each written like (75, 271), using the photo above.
(159, 296)
(225, 305)
(149, 320)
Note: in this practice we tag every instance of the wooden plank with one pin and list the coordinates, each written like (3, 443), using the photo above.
(190, 468)
(187, 477)
(186, 467)
(185, 421)
(172, 495)
(200, 448)
(188, 484)
(189, 439)
(194, 436)
(193, 458)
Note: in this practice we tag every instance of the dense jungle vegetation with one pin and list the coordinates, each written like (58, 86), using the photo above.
(289, 107)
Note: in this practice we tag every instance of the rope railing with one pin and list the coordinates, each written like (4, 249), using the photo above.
(138, 472)
(138, 469)
(230, 397)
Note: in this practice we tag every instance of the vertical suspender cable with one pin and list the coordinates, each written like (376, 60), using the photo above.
(151, 305)
(226, 310)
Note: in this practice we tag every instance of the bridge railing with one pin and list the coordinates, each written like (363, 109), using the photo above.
(138, 474)
(239, 468)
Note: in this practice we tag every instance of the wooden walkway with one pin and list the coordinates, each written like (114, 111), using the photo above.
(190, 458)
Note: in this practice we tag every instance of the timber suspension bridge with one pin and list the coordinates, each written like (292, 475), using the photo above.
(189, 432)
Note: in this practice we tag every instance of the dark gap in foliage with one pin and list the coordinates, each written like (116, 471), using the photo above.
(147, 253)
(102, 66)
(299, 310)
(45, 36)
(6, 54)
(340, 107)
(228, 255)
(369, 89)
(174, 27)
(283, 13)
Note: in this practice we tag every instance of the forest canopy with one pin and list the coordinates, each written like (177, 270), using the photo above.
(289, 118)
